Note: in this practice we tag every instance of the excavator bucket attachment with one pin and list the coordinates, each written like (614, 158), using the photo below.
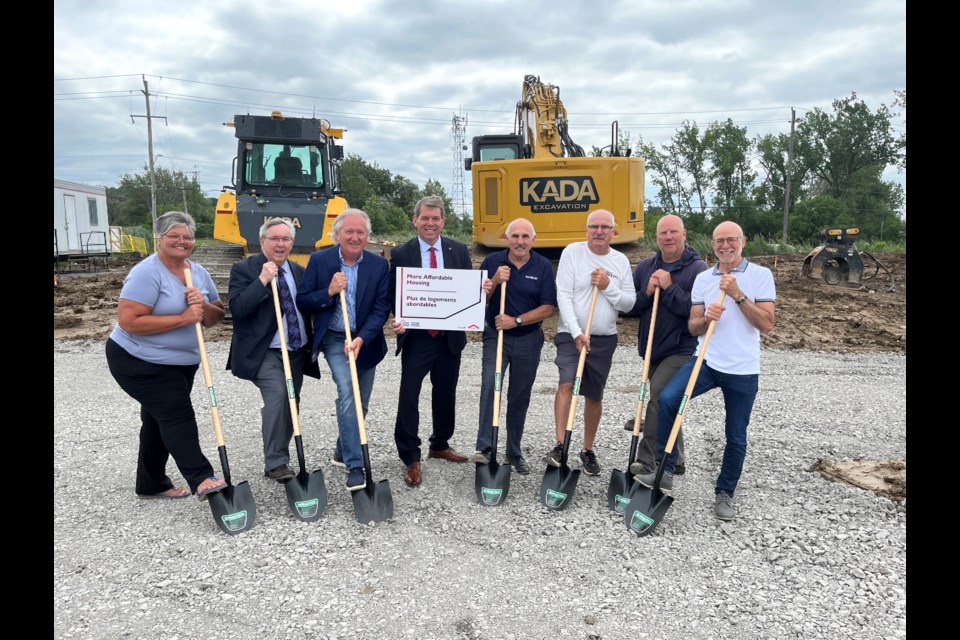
(838, 262)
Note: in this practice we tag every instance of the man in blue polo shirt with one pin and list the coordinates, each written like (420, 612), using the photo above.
(732, 361)
(531, 298)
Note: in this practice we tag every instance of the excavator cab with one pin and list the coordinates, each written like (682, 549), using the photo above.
(838, 262)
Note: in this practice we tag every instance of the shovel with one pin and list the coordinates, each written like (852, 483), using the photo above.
(306, 492)
(648, 505)
(373, 503)
(622, 486)
(559, 483)
(233, 508)
(492, 481)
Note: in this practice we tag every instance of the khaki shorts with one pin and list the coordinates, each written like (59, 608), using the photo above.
(596, 367)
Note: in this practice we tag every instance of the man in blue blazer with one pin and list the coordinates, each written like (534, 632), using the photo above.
(255, 345)
(364, 276)
(422, 351)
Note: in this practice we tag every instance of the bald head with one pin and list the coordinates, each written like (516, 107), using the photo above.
(728, 243)
(671, 237)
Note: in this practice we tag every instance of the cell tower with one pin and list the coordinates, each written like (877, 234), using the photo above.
(458, 136)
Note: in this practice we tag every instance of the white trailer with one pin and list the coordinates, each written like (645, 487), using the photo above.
(80, 224)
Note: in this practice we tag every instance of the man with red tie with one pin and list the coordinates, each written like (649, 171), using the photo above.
(421, 351)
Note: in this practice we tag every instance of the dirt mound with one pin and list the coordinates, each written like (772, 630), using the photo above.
(887, 478)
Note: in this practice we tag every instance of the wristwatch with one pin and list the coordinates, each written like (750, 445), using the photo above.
(518, 320)
(741, 299)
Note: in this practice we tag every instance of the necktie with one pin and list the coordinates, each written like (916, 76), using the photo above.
(294, 341)
(433, 265)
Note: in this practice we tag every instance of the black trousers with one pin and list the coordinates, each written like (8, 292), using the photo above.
(424, 354)
(168, 423)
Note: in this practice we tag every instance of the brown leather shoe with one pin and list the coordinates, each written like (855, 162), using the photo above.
(412, 477)
(447, 454)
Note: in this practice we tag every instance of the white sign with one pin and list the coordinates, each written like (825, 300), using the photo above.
(442, 299)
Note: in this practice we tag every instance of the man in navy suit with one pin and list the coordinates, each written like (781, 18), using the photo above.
(364, 276)
(422, 351)
(255, 346)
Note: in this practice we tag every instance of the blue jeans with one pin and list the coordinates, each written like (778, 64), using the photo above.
(739, 393)
(348, 444)
(522, 355)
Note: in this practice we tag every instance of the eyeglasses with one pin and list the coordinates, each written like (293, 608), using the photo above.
(187, 239)
(279, 239)
(731, 241)
(599, 227)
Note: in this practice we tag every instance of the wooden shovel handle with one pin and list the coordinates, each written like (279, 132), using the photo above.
(691, 382)
(358, 405)
(498, 375)
(207, 377)
(645, 376)
(287, 371)
(583, 360)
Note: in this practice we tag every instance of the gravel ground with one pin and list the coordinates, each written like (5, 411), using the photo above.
(805, 558)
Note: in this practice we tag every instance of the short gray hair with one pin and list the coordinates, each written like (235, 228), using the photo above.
(338, 223)
(429, 201)
(533, 232)
(173, 219)
(272, 222)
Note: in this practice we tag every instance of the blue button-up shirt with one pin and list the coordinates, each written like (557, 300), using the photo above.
(352, 271)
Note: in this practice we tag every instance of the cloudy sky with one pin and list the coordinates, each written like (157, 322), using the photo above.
(395, 73)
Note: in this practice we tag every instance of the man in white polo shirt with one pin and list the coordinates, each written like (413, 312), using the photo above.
(732, 361)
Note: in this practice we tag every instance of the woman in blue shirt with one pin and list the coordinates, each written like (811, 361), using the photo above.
(153, 355)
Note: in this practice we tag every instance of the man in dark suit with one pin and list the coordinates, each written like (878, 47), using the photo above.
(364, 276)
(255, 346)
(422, 351)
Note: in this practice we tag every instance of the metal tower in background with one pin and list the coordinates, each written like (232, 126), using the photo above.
(458, 134)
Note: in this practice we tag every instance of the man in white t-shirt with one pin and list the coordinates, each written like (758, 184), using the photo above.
(732, 361)
(584, 265)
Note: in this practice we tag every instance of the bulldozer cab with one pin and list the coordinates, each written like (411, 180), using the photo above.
(837, 262)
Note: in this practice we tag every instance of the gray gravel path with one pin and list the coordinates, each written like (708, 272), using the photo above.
(806, 558)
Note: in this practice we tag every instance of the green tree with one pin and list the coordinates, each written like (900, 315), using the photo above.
(835, 148)
(728, 149)
(129, 203)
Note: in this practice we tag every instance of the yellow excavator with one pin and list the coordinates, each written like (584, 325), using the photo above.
(538, 172)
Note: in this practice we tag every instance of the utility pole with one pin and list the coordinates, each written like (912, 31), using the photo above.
(153, 179)
(183, 190)
(786, 192)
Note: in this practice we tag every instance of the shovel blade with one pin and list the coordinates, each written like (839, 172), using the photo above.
(233, 509)
(646, 509)
(557, 487)
(492, 482)
(307, 495)
(374, 503)
(619, 492)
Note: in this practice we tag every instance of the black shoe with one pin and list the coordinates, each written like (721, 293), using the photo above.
(556, 454)
(281, 473)
(356, 479)
(588, 461)
(679, 470)
(519, 465)
(628, 425)
(337, 460)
